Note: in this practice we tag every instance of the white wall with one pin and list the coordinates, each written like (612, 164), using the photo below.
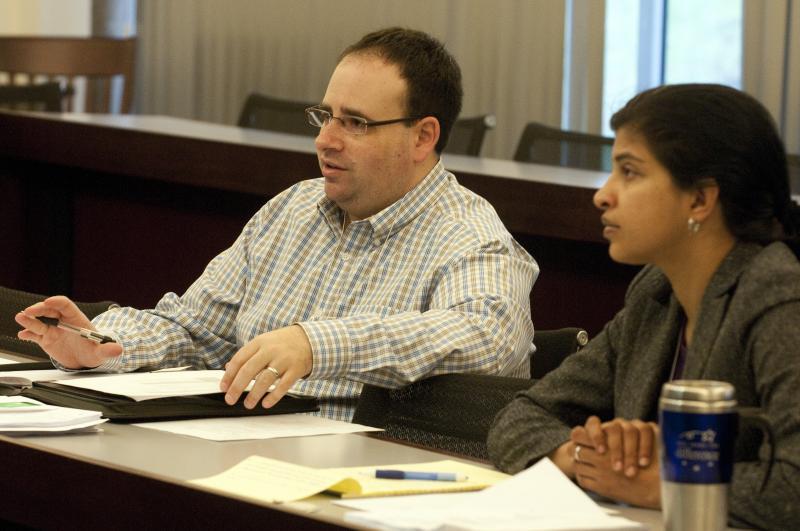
(45, 17)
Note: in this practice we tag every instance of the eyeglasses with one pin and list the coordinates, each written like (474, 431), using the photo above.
(355, 125)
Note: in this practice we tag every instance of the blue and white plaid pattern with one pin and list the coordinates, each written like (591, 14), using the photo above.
(432, 284)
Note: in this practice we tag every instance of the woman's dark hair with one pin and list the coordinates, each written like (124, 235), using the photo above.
(432, 74)
(701, 131)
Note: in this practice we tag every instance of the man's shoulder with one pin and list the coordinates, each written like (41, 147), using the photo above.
(468, 212)
(301, 194)
(308, 189)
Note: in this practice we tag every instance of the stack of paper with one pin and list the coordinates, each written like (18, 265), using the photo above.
(541, 497)
(25, 415)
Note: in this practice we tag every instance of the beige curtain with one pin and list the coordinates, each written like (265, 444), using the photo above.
(200, 58)
(583, 80)
(772, 62)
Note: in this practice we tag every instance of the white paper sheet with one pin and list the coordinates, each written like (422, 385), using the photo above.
(148, 385)
(262, 427)
(50, 375)
(46, 375)
(26, 415)
(540, 497)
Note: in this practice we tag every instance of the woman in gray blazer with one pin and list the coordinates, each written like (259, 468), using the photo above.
(699, 195)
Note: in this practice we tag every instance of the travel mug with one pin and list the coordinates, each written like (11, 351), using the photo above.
(698, 422)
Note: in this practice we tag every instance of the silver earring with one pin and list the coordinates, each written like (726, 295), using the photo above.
(694, 226)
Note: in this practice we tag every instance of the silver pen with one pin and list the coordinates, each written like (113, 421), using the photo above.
(91, 335)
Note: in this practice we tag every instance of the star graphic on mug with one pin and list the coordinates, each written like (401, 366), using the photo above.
(708, 436)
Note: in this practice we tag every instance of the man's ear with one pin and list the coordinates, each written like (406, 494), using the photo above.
(706, 197)
(427, 135)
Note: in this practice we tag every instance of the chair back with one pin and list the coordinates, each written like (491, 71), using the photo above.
(793, 165)
(548, 145)
(40, 97)
(553, 347)
(272, 114)
(28, 60)
(467, 134)
(12, 301)
(450, 412)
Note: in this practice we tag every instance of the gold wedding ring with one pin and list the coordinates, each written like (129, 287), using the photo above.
(274, 371)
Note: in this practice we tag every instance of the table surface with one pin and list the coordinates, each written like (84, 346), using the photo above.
(170, 458)
(175, 458)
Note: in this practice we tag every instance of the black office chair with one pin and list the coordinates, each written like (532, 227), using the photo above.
(467, 134)
(39, 97)
(272, 114)
(450, 412)
(12, 301)
(548, 145)
(553, 347)
(793, 165)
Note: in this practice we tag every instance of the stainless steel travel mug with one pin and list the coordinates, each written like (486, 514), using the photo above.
(698, 423)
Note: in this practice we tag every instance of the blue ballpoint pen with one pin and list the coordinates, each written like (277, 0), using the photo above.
(413, 474)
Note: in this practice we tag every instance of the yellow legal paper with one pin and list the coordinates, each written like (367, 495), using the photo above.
(268, 480)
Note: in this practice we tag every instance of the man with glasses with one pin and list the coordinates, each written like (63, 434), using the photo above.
(384, 271)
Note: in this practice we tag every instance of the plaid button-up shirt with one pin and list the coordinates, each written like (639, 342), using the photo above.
(432, 284)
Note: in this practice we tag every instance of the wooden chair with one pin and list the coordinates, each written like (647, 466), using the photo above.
(467, 134)
(26, 60)
(556, 147)
(273, 114)
(39, 97)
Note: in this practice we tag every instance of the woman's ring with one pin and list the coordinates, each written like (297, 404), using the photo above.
(577, 453)
(274, 371)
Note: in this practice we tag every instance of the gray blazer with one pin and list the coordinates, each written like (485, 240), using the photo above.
(748, 334)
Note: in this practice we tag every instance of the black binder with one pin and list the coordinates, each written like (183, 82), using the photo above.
(118, 408)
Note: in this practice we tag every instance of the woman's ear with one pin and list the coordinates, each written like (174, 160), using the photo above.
(427, 136)
(706, 197)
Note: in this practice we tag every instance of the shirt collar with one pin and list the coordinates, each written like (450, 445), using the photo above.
(394, 217)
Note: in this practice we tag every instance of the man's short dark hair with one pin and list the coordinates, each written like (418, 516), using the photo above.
(432, 74)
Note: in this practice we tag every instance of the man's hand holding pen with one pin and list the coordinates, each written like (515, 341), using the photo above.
(66, 334)
(280, 357)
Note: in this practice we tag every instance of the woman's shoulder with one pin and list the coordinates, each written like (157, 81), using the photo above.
(774, 266)
(771, 277)
(779, 257)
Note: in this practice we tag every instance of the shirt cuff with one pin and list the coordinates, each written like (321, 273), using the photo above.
(110, 365)
(330, 348)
